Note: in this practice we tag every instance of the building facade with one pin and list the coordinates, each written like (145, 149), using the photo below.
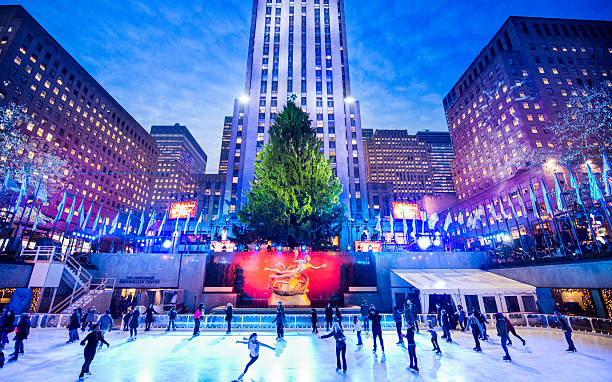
(298, 48)
(440, 154)
(395, 157)
(109, 155)
(180, 159)
(225, 144)
(499, 110)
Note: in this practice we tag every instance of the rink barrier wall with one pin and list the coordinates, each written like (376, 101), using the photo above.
(302, 321)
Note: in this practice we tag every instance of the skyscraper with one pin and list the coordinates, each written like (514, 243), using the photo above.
(298, 48)
(225, 143)
(440, 153)
(498, 111)
(180, 159)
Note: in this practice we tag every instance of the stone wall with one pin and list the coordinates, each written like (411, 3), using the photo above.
(15, 275)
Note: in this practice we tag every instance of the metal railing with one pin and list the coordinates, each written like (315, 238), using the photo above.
(41, 254)
(302, 321)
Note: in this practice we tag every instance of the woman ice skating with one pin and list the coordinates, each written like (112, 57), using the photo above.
(280, 324)
(253, 345)
(414, 365)
(375, 319)
(197, 317)
(567, 329)
(93, 339)
(105, 324)
(474, 325)
(502, 331)
(338, 335)
(434, 337)
(149, 317)
(483, 324)
(134, 321)
(313, 321)
(21, 334)
(461, 317)
(90, 317)
(73, 327)
(229, 314)
(329, 316)
(357, 327)
(397, 317)
(126, 319)
(171, 319)
(446, 326)
(513, 331)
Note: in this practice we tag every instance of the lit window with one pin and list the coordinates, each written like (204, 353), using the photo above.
(17, 60)
(540, 69)
(545, 80)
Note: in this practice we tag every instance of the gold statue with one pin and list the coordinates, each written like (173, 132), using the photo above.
(290, 284)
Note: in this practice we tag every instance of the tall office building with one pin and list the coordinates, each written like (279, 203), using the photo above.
(298, 48)
(109, 155)
(225, 144)
(180, 159)
(394, 156)
(498, 111)
(440, 153)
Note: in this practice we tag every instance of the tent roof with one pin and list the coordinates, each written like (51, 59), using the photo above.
(464, 281)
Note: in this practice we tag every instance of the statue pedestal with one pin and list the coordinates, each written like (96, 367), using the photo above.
(295, 300)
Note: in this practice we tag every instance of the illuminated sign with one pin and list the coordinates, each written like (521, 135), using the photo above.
(367, 246)
(403, 210)
(180, 210)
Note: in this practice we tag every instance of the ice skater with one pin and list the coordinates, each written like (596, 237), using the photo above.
(338, 335)
(149, 317)
(134, 321)
(253, 345)
(474, 325)
(197, 317)
(446, 326)
(513, 331)
(105, 324)
(171, 319)
(410, 315)
(126, 319)
(6, 325)
(280, 325)
(434, 337)
(461, 317)
(73, 327)
(483, 324)
(365, 312)
(21, 334)
(93, 339)
(567, 329)
(229, 314)
(397, 317)
(414, 365)
(375, 319)
(502, 331)
(313, 321)
(329, 316)
(357, 327)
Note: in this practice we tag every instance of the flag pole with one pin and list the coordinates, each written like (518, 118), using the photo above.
(537, 215)
(33, 227)
(554, 219)
(535, 243)
(569, 216)
(586, 214)
(30, 212)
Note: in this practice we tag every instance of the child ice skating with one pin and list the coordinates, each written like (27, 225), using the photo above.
(253, 345)
(434, 337)
(357, 327)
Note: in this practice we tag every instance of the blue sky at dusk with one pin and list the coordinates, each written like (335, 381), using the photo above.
(185, 61)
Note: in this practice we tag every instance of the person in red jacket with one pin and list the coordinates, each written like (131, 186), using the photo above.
(513, 331)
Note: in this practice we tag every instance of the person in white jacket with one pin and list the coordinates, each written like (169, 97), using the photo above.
(357, 327)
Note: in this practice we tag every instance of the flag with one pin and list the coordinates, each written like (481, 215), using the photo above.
(70, 213)
(391, 222)
(423, 218)
(405, 227)
(470, 220)
(512, 206)
(414, 225)
(433, 219)
(22, 192)
(547, 203)
(114, 223)
(195, 232)
(501, 206)
(448, 221)
(128, 222)
(84, 226)
(7, 180)
(176, 226)
(558, 194)
(378, 227)
(607, 173)
(593, 186)
(534, 203)
(186, 224)
(95, 225)
(163, 222)
(522, 204)
(103, 227)
(60, 208)
(492, 211)
(150, 223)
(141, 226)
(81, 213)
(574, 184)
(42, 194)
(460, 218)
(36, 220)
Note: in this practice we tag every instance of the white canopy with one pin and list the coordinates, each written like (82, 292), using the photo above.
(463, 281)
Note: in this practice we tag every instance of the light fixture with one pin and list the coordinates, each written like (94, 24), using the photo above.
(424, 242)
(167, 244)
(349, 100)
(244, 98)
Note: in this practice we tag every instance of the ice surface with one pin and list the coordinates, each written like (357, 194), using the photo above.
(213, 356)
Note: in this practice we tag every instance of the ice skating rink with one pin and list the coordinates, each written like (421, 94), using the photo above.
(213, 356)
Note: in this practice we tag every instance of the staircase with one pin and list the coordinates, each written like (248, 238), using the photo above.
(85, 288)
